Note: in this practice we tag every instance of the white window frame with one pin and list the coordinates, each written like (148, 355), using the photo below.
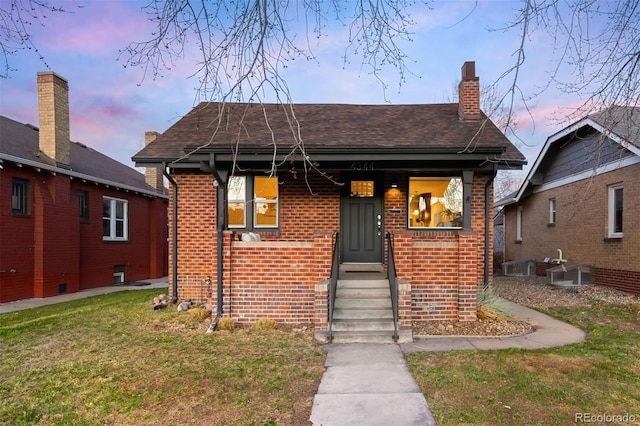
(519, 224)
(113, 220)
(251, 203)
(242, 200)
(611, 210)
(552, 210)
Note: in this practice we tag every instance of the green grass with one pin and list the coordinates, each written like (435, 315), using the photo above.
(113, 360)
(542, 387)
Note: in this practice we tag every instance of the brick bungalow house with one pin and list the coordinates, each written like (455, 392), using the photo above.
(271, 203)
(582, 196)
(72, 218)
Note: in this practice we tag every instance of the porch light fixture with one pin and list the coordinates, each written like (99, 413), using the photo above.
(394, 182)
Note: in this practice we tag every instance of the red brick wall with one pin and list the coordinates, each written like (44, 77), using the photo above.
(276, 277)
(16, 240)
(52, 247)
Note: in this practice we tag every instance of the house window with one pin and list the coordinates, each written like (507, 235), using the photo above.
(83, 205)
(435, 202)
(616, 195)
(257, 195)
(20, 197)
(552, 210)
(115, 218)
(519, 224)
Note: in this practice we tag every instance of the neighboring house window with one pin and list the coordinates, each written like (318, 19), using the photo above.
(83, 205)
(20, 197)
(616, 195)
(115, 218)
(552, 210)
(519, 224)
(253, 202)
(435, 202)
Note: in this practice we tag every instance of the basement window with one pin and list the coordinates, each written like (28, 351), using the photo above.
(435, 202)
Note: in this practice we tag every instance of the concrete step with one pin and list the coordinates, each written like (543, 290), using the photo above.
(362, 313)
(366, 303)
(363, 337)
(363, 284)
(363, 325)
(362, 292)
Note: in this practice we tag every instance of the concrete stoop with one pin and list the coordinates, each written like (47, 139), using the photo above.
(363, 313)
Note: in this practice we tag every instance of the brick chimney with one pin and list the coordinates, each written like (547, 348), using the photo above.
(469, 93)
(53, 110)
(153, 176)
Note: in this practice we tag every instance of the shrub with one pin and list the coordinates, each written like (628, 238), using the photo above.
(265, 324)
(199, 314)
(226, 324)
(491, 306)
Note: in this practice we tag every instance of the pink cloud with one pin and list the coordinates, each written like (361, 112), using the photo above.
(97, 28)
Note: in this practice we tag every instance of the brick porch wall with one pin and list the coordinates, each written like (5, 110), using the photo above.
(442, 270)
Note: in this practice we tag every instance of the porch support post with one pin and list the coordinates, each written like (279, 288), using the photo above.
(322, 254)
(405, 316)
(467, 276)
(321, 306)
(467, 184)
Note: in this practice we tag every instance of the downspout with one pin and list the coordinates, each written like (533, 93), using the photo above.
(174, 234)
(487, 219)
(220, 182)
(222, 225)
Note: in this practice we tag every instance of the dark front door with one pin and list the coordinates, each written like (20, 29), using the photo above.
(361, 219)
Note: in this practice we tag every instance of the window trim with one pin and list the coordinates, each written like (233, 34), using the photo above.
(113, 220)
(611, 211)
(24, 199)
(251, 202)
(553, 210)
(519, 223)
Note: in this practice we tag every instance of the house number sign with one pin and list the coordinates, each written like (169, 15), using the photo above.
(359, 165)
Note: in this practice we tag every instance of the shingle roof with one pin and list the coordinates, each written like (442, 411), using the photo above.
(328, 127)
(20, 142)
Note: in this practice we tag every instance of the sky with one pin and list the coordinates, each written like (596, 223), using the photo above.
(113, 105)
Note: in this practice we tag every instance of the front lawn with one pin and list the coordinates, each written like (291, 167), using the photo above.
(113, 360)
(586, 381)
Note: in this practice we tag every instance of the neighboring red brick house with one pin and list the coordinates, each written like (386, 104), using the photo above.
(260, 202)
(70, 217)
(582, 196)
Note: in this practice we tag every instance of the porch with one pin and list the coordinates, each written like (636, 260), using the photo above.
(436, 279)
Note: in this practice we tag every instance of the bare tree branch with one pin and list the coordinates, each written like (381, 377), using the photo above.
(16, 19)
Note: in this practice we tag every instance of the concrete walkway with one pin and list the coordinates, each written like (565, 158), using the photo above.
(548, 333)
(20, 305)
(370, 383)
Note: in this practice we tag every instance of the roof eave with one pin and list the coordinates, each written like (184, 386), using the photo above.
(54, 169)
